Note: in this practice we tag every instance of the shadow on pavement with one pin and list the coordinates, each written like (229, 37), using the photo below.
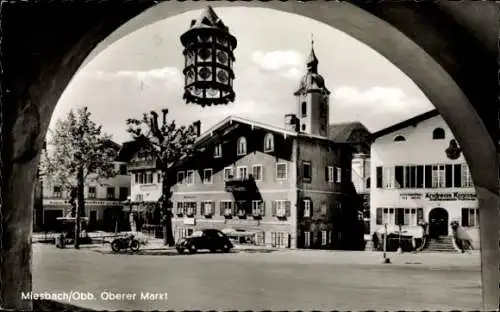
(170, 252)
(49, 305)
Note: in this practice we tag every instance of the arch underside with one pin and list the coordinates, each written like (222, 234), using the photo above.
(453, 65)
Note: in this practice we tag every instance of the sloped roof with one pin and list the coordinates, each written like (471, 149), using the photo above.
(127, 151)
(208, 18)
(406, 123)
(342, 132)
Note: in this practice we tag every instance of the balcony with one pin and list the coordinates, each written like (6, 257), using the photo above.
(246, 184)
(142, 164)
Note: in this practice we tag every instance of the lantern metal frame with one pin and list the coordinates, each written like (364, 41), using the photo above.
(212, 37)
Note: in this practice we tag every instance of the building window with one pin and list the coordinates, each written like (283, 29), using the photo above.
(324, 238)
(466, 177)
(388, 177)
(257, 172)
(158, 177)
(242, 172)
(258, 208)
(367, 183)
(242, 146)
(190, 177)
(324, 208)
(306, 171)
(110, 193)
(269, 142)
(260, 238)
(207, 176)
(307, 239)
(303, 127)
(438, 134)
(307, 208)
(226, 208)
(123, 169)
(438, 176)
(281, 171)
(242, 207)
(123, 193)
(207, 208)
(281, 208)
(228, 173)
(329, 174)
(180, 177)
(399, 216)
(218, 151)
(399, 138)
(379, 177)
(470, 217)
(303, 109)
(56, 192)
(338, 174)
(138, 197)
(92, 192)
(190, 208)
(279, 239)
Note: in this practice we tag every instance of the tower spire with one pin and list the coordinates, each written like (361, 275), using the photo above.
(312, 60)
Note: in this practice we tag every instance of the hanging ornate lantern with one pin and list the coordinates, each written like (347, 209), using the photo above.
(209, 58)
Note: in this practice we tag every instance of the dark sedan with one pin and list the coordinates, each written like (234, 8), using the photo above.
(210, 239)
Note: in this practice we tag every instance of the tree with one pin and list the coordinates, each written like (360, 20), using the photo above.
(78, 152)
(169, 145)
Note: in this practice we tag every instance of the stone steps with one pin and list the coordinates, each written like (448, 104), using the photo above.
(440, 244)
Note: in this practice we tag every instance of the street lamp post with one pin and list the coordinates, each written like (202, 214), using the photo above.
(385, 259)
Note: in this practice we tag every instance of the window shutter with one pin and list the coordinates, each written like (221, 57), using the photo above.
(334, 174)
(448, 175)
(288, 208)
(428, 176)
(311, 208)
(262, 173)
(326, 173)
(399, 175)
(274, 208)
(136, 178)
(458, 175)
(202, 208)
(465, 216)
(379, 216)
(234, 208)
(400, 216)
(420, 215)
(213, 207)
(263, 212)
(379, 177)
(221, 208)
(420, 176)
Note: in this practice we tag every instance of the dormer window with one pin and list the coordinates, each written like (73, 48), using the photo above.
(242, 146)
(268, 143)
(218, 151)
(438, 134)
(399, 138)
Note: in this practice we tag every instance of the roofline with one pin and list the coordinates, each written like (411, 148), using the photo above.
(403, 124)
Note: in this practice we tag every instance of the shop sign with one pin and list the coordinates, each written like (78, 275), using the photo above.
(450, 196)
(56, 202)
(189, 221)
(410, 196)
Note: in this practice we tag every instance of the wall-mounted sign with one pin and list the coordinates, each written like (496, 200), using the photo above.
(242, 222)
(189, 197)
(189, 221)
(88, 202)
(410, 196)
(450, 196)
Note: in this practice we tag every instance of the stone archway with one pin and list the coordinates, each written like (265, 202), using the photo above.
(44, 45)
(438, 222)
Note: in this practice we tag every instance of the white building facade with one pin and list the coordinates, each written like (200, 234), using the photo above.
(415, 180)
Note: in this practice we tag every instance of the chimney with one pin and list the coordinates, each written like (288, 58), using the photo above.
(197, 127)
(291, 122)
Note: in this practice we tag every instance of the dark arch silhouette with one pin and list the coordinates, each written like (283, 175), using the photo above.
(399, 138)
(438, 134)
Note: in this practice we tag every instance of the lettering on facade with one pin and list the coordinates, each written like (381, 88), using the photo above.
(410, 196)
(62, 202)
(241, 222)
(450, 196)
(189, 197)
(189, 221)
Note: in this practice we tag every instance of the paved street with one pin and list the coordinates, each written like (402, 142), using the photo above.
(288, 280)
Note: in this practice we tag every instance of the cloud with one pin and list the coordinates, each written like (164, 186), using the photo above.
(386, 97)
(166, 75)
(287, 63)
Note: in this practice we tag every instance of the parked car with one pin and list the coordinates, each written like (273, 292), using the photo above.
(210, 239)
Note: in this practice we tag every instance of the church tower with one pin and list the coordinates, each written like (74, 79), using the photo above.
(313, 100)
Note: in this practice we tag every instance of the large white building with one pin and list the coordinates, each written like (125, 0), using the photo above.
(416, 178)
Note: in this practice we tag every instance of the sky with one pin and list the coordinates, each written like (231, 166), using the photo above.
(143, 72)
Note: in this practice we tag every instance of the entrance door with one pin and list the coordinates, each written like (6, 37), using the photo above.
(438, 222)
